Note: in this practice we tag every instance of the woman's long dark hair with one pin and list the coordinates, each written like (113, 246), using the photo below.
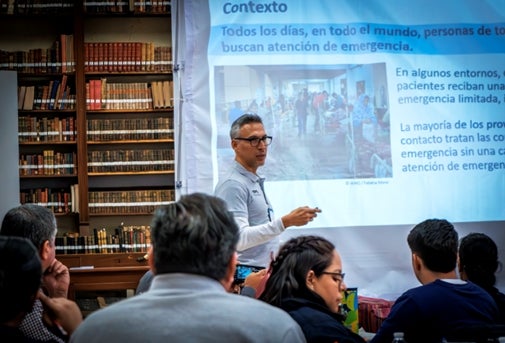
(290, 268)
(478, 257)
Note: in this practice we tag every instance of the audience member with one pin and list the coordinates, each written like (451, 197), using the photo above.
(38, 224)
(193, 261)
(242, 189)
(444, 303)
(307, 281)
(20, 277)
(478, 263)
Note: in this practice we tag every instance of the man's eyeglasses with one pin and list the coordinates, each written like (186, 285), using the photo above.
(336, 276)
(255, 141)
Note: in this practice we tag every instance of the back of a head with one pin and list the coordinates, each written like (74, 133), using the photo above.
(295, 259)
(31, 221)
(20, 275)
(436, 242)
(195, 235)
(244, 119)
(478, 257)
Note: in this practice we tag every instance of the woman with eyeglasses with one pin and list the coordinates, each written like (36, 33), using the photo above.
(306, 280)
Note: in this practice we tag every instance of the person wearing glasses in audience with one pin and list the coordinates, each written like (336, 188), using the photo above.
(307, 281)
(243, 191)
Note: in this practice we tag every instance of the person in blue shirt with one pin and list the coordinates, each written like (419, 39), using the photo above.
(443, 304)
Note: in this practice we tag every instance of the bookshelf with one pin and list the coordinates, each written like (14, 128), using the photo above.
(96, 141)
(129, 111)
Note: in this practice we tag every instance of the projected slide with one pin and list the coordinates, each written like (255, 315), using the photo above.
(380, 114)
(319, 134)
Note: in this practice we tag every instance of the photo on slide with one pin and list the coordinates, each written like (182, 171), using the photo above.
(327, 121)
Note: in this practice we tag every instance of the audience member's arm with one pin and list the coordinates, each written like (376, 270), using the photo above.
(252, 282)
(61, 312)
(56, 280)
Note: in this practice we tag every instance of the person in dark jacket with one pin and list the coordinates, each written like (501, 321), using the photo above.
(306, 280)
(20, 278)
(478, 263)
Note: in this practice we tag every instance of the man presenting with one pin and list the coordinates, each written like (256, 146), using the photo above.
(242, 189)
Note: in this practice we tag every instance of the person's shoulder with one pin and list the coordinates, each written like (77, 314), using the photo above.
(123, 308)
(247, 306)
(499, 296)
(231, 185)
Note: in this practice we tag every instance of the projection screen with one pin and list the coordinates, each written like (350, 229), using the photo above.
(383, 114)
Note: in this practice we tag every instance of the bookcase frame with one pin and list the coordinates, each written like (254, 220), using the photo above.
(78, 17)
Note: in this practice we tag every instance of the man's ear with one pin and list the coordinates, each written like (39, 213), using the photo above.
(233, 144)
(45, 251)
(417, 262)
(150, 260)
(227, 281)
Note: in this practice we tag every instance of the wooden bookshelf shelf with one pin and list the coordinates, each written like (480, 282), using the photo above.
(48, 176)
(129, 214)
(55, 112)
(140, 141)
(161, 172)
(49, 143)
(125, 111)
(103, 272)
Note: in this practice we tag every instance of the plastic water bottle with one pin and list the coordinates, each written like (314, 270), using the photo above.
(398, 337)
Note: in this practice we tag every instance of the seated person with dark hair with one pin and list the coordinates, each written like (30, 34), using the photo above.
(306, 280)
(478, 263)
(20, 275)
(443, 304)
(193, 260)
(38, 224)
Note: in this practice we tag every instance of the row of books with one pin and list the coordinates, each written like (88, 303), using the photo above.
(129, 202)
(127, 57)
(162, 94)
(54, 95)
(35, 129)
(122, 6)
(59, 200)
(101, 95)
(103, 130)
(35, 6)
(59, 58)
(48, 163)
(124, 239)
(117, 161)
